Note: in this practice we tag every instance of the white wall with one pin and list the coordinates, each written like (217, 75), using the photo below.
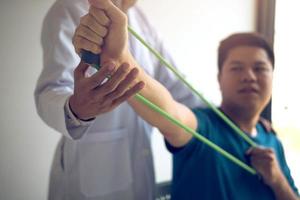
(285, 101)
(26, 144)
(191, 28)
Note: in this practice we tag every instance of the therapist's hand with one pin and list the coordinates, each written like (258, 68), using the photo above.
(93, 97)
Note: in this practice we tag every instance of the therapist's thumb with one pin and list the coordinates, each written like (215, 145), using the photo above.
(113, 12)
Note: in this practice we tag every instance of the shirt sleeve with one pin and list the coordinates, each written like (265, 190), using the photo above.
(202, 129)
(75, 126)
(56, 82)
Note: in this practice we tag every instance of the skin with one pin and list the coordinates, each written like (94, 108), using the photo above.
(245, 81)
(90, 97)
(124, 5)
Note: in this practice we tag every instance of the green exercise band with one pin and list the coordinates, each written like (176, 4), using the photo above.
(179, 124)
(176, 72)
(195, 134)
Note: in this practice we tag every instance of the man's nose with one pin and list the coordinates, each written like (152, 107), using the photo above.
(249, 75)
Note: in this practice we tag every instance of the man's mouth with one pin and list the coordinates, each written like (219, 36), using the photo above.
(248, 90)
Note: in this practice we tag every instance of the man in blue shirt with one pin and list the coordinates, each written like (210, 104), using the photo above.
(246, 63)
(199, 171)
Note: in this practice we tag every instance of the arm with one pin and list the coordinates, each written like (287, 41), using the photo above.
(115, 50)
(160, 96)
(265, 162)
(139, 22)
(58, 93)
(55, 83)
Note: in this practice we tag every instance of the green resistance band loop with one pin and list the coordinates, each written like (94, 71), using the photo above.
(195, 134)
(176, 72)
(191, 131)
(179, 124)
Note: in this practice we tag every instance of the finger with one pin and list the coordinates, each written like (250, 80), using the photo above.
(99, 16)
(260, 166)
(101, 4)
(112, 11)
(97, 79)
(79, 72)
(259, 169)
(116, 79)
(109, 104)
(92, 23)
(261, 159)
(81, 43)
(124, 85)
(85, 32)
(261, 153)
(256, 150)
(129, 93)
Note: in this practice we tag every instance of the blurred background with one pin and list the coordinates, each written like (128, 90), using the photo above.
(191, 29)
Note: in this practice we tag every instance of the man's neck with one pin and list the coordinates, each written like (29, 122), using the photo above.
(246, 120)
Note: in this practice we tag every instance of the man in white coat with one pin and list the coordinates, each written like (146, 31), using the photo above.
(105, 151)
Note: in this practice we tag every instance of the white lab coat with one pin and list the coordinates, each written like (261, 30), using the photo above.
(110, 158)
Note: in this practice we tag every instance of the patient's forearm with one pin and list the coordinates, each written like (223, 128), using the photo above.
(159, 95)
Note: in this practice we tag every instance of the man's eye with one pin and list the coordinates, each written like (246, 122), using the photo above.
(236, 68)
(261, 69)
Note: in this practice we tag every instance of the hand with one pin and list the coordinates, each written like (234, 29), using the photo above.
(90, 33)
(104, 24)
(265, 162)
(93, 97)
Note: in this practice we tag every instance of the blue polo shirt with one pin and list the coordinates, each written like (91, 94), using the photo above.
(200, 172)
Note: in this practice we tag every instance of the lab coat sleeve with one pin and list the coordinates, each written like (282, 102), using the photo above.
(56, 81)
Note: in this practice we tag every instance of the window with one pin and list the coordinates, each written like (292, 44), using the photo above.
(286, 100)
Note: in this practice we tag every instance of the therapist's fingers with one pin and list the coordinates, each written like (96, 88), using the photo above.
(79, 72)
(115, 80)
(124, 85)
(93, 96)
(124, 90)
(129, 93)
(110, 104)
(96, 79)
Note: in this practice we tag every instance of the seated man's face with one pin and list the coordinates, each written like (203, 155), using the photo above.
(246, 78)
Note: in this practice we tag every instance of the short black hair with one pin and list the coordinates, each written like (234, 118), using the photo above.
(243, 39)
